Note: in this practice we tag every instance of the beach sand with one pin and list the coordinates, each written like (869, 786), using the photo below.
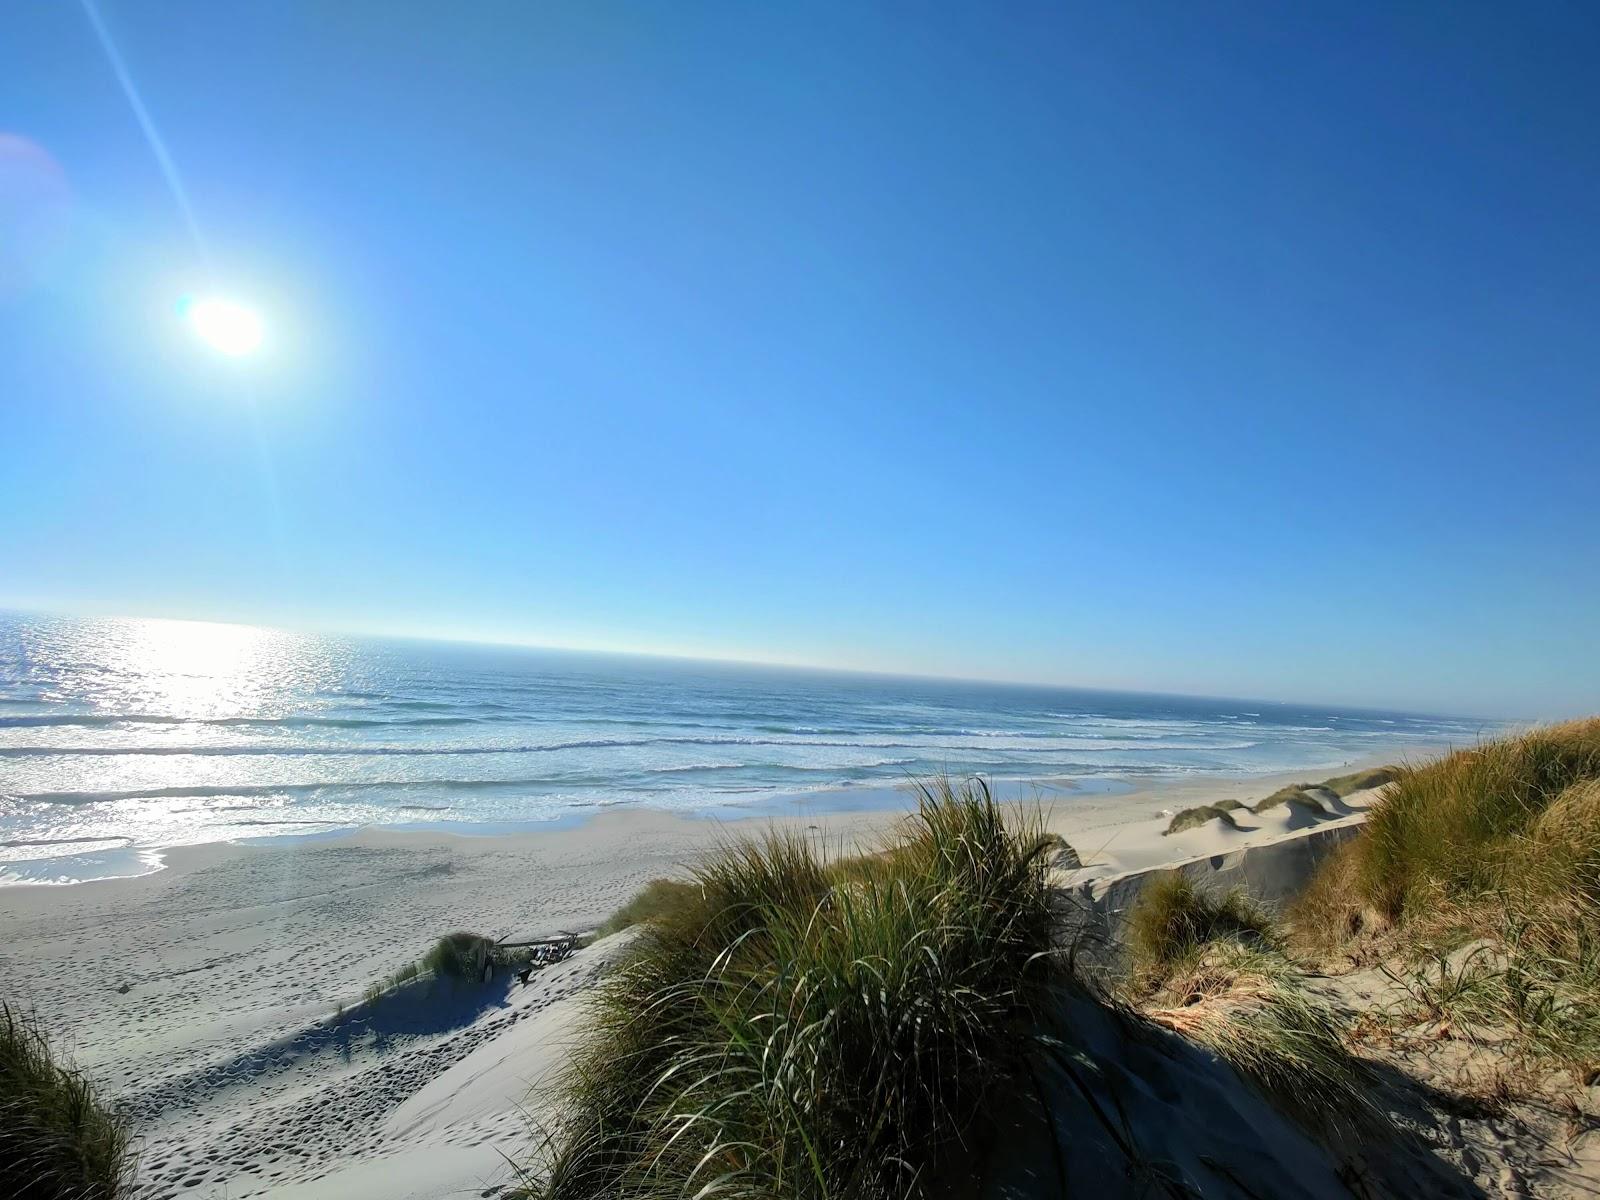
(204, 996)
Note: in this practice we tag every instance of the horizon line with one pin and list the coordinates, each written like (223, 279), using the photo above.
(721, 660)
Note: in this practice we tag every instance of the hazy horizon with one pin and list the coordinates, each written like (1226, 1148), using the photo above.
(1132, 688)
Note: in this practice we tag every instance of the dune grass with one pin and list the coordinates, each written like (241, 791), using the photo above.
(57, 1140)
(1454, 823)
(656, 900)
(1297, 794)
(1193, 818)
(1496, 849)
(793, 1025)
(1212, 967)
(1360, 781)
(1332, 910)
(1173, 920)
(1249, 1005)
(458, 955)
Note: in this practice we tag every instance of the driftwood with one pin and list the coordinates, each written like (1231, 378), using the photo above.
(545, 951)
(564, 941)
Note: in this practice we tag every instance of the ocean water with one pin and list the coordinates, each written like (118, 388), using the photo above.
(121, 736)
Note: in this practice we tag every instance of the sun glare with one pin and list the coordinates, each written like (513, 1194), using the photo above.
(227, 327)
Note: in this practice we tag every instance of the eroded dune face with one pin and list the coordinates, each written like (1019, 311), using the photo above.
(1134, 1111)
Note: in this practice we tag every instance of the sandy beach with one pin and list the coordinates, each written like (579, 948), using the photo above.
(205, 996)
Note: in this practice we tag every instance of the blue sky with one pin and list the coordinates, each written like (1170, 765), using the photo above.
(1207, 348)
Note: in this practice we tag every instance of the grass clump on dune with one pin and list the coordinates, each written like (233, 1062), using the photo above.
(1193, 818)
(1212, 968)
(1331, 909)
(459, 955)
(1250, 1007)
(57, 1141)
(1360, 781)
(1483, 869)
(789, 1025)
(1174, 920)
(655, 901)
(1303, 795)
(1455, 823)
(1297, 794)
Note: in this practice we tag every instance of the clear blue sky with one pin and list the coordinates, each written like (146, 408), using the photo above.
(1222, 348)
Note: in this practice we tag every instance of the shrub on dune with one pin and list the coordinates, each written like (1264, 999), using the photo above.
(57, 1140)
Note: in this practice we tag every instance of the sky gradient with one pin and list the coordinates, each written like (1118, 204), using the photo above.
(1197, 348)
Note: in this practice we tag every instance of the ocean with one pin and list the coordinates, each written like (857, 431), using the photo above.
(120, 736)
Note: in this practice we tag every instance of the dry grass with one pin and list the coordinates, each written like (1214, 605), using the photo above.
(57, 1141)
(1496, 849)
(1332, 912)
(1451, 823)
(1212, 968)
(1250, 1007)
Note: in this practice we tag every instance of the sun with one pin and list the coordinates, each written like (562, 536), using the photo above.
(227, 326)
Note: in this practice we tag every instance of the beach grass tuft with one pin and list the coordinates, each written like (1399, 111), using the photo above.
(798, 1025)
(657, 900)
(1482, 868)
(1297, 794)
(1212, 967)
(1361, 781)
(459, 955)
(1250, 1007)
(1449, 824)
(1331, 909)
(1174, 920)
(1194, 818)
(57, 1140)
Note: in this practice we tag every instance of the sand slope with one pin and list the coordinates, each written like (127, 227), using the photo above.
(449, 1137)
